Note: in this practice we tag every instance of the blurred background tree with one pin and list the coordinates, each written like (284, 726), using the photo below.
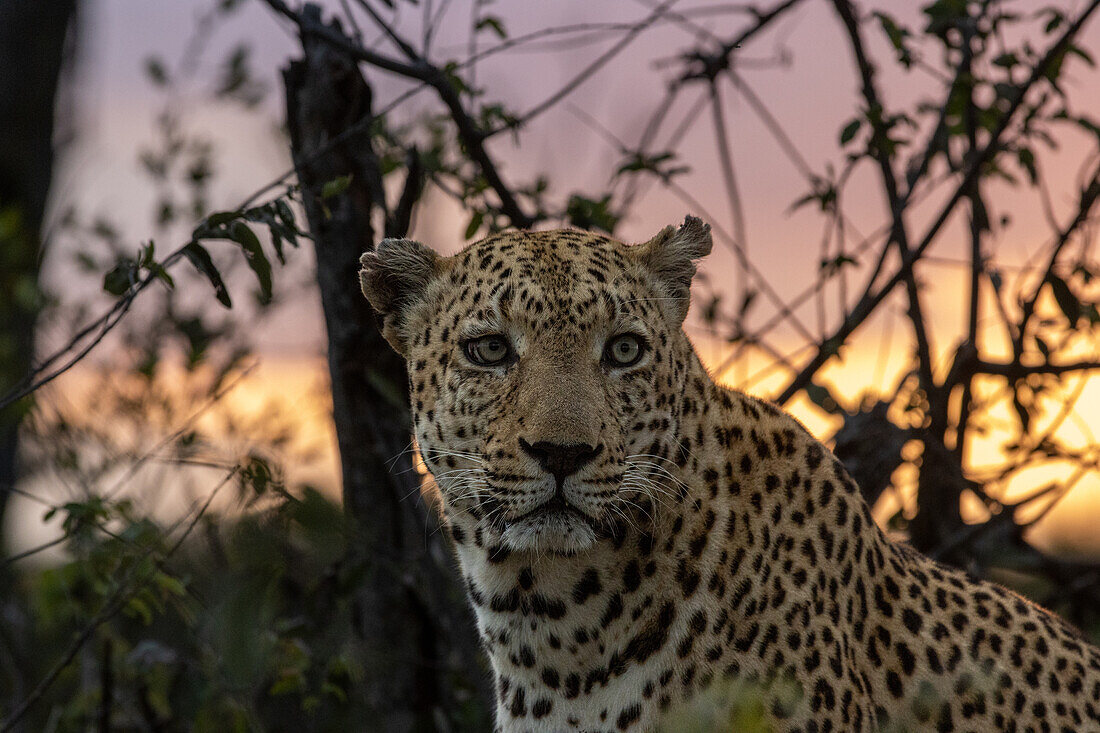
(32, 51)
(178, 606)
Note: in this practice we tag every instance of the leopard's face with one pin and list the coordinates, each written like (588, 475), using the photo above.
(550, 391)
(546, 373)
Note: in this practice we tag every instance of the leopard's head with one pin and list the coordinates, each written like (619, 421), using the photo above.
(546, 375)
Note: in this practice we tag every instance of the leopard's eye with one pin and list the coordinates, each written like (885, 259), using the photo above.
(624, 350)
(489, 350)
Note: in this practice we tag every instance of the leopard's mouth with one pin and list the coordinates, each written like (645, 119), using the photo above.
(558, 505)
(554, 526)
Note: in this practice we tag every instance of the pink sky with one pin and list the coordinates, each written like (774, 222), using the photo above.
(813, 94)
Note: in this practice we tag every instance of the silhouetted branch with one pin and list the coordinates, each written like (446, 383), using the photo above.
(1015, 370)
(879, 150)
(471, 134)
(725, 162)
(401, 218)
(978, 224)
(106, 687)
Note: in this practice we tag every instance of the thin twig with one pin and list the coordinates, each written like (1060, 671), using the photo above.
(570, 86)
(879, 151)
(977, 226)
(725, 162)
(35, 550)
(1015, 370)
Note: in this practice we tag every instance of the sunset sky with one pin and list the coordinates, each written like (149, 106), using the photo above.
(800, 69)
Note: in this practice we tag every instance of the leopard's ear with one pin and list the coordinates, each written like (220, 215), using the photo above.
(393, 277)
(670, 258)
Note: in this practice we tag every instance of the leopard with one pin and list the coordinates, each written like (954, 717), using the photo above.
(631, 535)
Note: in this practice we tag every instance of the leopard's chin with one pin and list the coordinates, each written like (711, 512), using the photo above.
(561, 532)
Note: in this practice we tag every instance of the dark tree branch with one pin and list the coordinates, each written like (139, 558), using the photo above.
(872, 296)
(1016, 370)
(707, 65)
(410, 612)
(978, 224)
(106, 687)
(471, 134)
(880, 151)
(397, 225)
(725, 161)
(763, 20)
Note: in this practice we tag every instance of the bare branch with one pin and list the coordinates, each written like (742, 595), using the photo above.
(978, 224)
(1015, 370)
(401, 218)
(880, 150)
(725, 161)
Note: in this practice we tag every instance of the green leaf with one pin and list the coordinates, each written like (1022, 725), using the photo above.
(586, 213)
(1083, 55)
(162, 275)
(1055, 21)
(897, 35)
(137, 607)
(335, 187)
(1067, 301)
(154, 69)
(169, 585)
(850, 131)
(197, 255)
(475, 224)
(821, 397)
(492, 22)
(1027, 162)
(118, 280)
(286, 215)
(254, 255)
(289, 681)
(218, 218)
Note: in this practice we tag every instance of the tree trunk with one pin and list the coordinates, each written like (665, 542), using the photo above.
(33, 37)
(32, 44)
(939, 490)
(423, 665)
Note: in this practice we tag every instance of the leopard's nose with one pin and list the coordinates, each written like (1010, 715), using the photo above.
(558, 459)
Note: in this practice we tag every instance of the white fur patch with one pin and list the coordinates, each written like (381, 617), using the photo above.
(556, 532)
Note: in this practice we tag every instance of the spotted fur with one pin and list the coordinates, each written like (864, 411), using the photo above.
(632, 535)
